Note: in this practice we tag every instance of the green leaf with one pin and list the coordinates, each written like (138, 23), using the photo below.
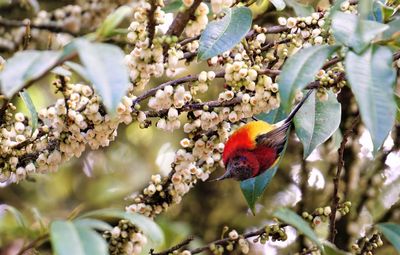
(331, 249)
(173, 6)
(300, 69)
(391, 232)
(67, 238)
(279, 4)
(290, 217)
(316, 121)
(31, 108)
(105, 68)
(23, 67)
(301, 10)
(253, 188)
(273, 116)
(78, 69)
(112, 21)
(61, 71)
(372, 78)
(20, 219)
(148, 226)
(224, 34)
(354, 33)
(93, 224)
(92, 242)
(393, 32)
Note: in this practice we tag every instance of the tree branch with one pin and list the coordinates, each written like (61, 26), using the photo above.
(151, 25)
(336, 180)
(182, 18)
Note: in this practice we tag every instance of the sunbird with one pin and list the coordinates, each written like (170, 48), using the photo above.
(256, 146)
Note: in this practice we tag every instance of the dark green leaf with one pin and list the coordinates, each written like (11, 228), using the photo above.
(148, 226)
(92, 242)
(372, 77)
(391, 232)
(20, 219)
(31, 107)
(23, 67)
(300, 69)
(253, 188)
(354, 33)
(65, 238)
(301, 10)
(173, 6)
(105, 68)
(290, 217)
(331, 249)
(93, 224)
(316, 121)
(112, 21)
(279, 4)
(224, 34)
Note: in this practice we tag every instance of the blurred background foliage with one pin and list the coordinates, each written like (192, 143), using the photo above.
(106, 178)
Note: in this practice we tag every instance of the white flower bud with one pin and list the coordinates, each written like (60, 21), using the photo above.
(172, 113)
(185, 143)
(291, 22)
(318, 40)
(203, 77)
(233, 235)
(30, 168)
(252, 74)
(282, 21)
(210, 75)
(19, 116)
(316, 32)
(169, 90)
(261, 38)
(19, 127)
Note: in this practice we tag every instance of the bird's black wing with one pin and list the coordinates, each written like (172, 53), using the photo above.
(275, 138)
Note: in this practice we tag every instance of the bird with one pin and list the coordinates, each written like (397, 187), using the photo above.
(256, 147)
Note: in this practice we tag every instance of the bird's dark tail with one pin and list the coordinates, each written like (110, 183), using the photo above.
(297, 107)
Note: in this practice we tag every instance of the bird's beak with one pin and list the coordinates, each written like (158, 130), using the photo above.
(226, 175)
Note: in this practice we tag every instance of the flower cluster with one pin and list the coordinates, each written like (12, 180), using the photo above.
(125, 239)
(146, 59)
(79, 18)
(276, 232)
(367, 245)
(306, 31)
(64, 130)
(321, 214)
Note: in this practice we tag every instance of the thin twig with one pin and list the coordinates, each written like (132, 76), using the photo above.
(27, 36)
(51, 26)
(336, 180)
(174, 248)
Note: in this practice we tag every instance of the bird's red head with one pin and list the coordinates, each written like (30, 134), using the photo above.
(242, 165)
